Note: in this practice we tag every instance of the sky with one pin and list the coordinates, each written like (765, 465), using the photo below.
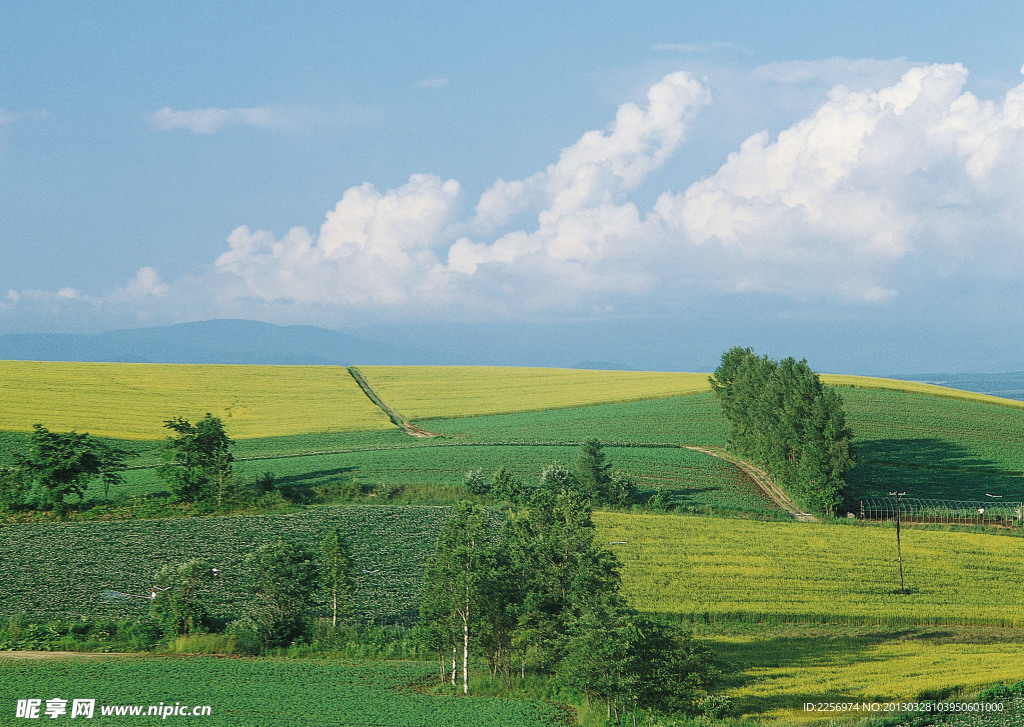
(645, 183)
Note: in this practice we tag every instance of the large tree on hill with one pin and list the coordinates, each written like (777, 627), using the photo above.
(782, 416)
(198, 460)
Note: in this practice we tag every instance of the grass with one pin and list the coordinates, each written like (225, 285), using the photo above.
(263, 692)
(775, 674)
(731, 569)
(440, 392)
(132, 401)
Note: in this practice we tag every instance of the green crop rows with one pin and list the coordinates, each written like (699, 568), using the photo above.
(935, 447)
(61, 570)
(259, 693)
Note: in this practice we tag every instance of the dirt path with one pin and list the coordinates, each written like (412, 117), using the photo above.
(397, 419)
(762, 480)
(53, 655)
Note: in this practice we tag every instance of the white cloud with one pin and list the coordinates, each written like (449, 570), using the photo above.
(146, 283)
(373, 248)
(211, 120)
(883, 187)
(434, 82)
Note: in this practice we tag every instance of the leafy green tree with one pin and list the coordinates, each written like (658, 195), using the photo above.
(337, 573)
(782, 416)
(506, 487)
(614, 655)
(62, 464)
(13, 488)
(177, 608)
(286, 579)
(560, 567)
(557, 478)
(476, 483)
(198, 458)
(593, 471)
(455, 575)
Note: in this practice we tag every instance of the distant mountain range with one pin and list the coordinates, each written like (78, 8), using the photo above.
(215, 342)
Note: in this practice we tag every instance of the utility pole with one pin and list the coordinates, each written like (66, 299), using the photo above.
(899, 549)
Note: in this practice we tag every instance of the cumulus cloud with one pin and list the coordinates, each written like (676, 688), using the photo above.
(211, 120)
(883, 186)
(826, 209)
(373, 248)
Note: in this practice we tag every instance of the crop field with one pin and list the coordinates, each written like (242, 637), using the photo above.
(441, 392)
(62, 570)
(741, 569)
(915, 387)
(778, 673)
(259, 692)
(694, 419)
(935, 447)
(691, 479)
(132, 401)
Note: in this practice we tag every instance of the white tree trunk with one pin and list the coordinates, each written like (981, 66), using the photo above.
(465, 654)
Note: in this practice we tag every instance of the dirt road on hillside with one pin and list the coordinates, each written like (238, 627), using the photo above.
(760, 478)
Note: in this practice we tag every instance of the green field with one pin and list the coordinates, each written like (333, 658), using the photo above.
(62, 570)
(258, 692)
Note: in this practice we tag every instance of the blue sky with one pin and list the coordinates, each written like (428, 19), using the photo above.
(832, 180)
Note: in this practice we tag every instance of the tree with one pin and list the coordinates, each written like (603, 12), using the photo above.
(13, 488)
(62, 464)
(455, 573)
(782, 416)
(337, 572)
(286, 578)
(198, 460)
(614, 654)
(506, 487)
(176, 607)
(476, 483)
(593, 471)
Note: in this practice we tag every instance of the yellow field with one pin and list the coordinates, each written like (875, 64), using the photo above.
(435, 392)
(131, 401)
(739, 567)
(780, 675)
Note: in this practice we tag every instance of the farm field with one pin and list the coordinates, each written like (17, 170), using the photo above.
(132, 401)
(61, 570)
(441, 392)
(691, 479)
(935, 447)
(261, 692)
(721, 568)
(778, 671)
(735, 569)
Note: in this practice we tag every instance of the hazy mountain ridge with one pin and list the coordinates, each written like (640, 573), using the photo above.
(215, 342)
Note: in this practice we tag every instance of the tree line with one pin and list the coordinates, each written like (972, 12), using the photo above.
(783, 417)
(197, 468)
